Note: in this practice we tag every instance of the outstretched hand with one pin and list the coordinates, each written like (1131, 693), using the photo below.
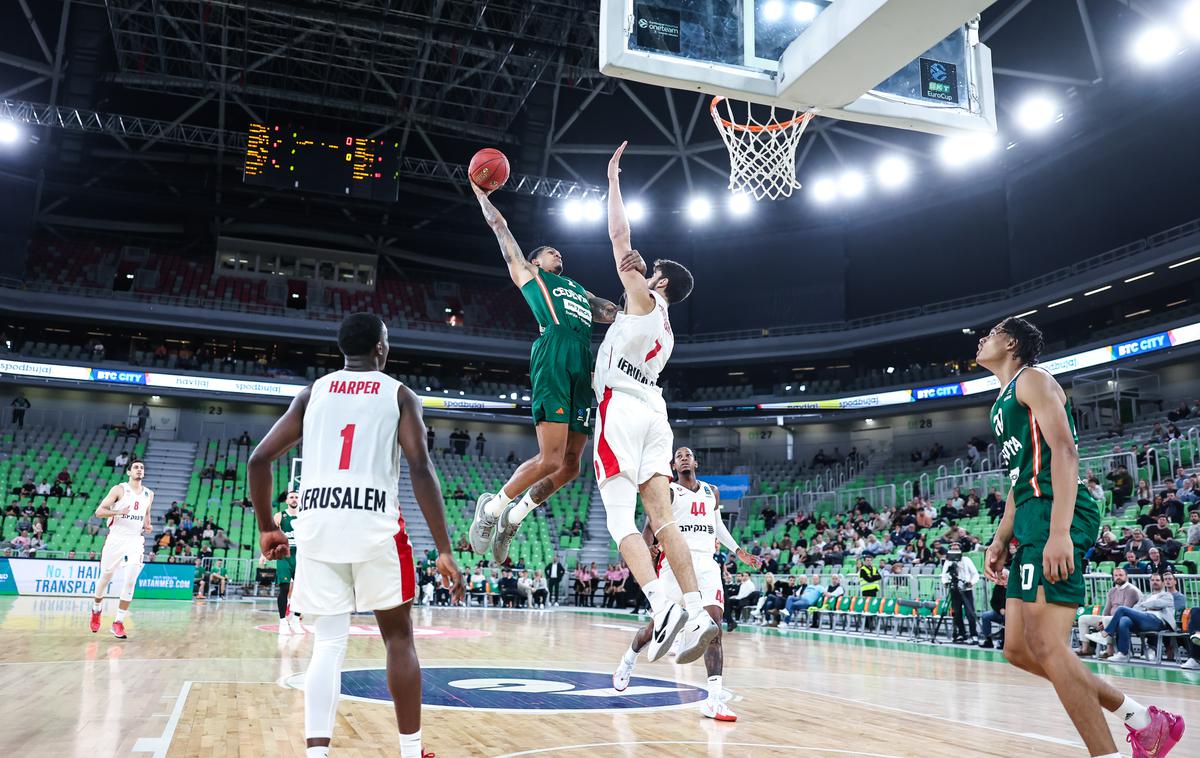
(614, 164)
(633, 261)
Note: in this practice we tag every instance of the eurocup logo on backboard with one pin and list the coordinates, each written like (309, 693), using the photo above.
(520, 689)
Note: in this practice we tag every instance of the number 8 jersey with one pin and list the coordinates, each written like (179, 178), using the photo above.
(696, 514)
(348, 496)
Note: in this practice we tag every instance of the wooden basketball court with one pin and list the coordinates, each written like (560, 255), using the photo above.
(215, 679)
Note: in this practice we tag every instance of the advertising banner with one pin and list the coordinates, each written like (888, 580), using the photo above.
(64, 578)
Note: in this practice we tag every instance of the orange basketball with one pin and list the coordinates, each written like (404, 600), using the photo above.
(488, 169)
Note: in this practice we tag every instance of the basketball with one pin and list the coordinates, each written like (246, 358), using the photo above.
(488, 169)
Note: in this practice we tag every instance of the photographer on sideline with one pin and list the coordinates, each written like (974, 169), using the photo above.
(961, 576)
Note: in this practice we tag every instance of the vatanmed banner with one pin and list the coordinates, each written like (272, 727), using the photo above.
(38, 576)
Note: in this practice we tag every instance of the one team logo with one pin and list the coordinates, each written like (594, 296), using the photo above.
(520, 689)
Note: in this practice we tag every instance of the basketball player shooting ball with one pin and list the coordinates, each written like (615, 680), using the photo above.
(696, 508)
(634, 439)
(127, 508)
(560, 368)
(1054, 521)
(353, 552)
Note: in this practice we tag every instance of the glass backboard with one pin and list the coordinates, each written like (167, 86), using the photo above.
(910, 64)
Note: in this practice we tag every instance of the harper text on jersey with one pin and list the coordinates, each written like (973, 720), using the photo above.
(338, 387)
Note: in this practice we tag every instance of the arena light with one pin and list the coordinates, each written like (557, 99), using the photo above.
(773, 10)
(893, 172)
(891, 369)
(573, 211)
(635, 211)
(1037, 114)
(525, 398)
(699, 208)
(9, 133)
(739, 204)
(593, 210)
(852, 184)
(1098, 290)
(825, 190)
(1191, 18)
(1184, 263)
(1064, 301)
(1139, 277)
(512, 396)
(1135, 314)
(804, 12)
(787, 388)
(964, 149)
(1026, 313)
(1155, 45)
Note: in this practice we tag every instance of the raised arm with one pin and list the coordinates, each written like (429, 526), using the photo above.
(426, 487)
(1038, 391)
(284, 435)
(519, 269)
(105, 509)
(638, 301)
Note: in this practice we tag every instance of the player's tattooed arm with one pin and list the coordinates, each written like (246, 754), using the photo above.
(603, 311)
(519, 269)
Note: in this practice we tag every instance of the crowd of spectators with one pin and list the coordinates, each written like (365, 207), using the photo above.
(186, 539)
(514, 585)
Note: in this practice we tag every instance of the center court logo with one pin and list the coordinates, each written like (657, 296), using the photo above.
(520, 689)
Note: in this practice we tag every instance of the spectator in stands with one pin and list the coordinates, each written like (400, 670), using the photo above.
(1159, 531)
(1171, 585)
(995, 613)
(1181, 412)
(540, 589)
(1094, 488)
(56, 490)
(20, 543)
(555, 571)
(244, 440)
(512, 457)
(747, 595)
(1172, 505)
(995, 505)
(904, 535)
(93, 526)
(524, 589)
(1122, 486)
(1122, 594)
(63, 477)
(1134, 565)
(430, 438)
(924, 555)
(1193, 532)
(41, 515)
(70, 555)
(1155, 612)
(1107, 548)
(508, 588)
(807, 593)
(875, 547)
(972, 455)
(583, 584)
(19, 405)
(1139, 544)
(13, 509)
(480, 442)
(1158, 562)
(43, 488)
(121, 461)
(143, 416)
(1143, 496)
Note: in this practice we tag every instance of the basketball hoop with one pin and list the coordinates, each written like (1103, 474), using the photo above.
(762, 154)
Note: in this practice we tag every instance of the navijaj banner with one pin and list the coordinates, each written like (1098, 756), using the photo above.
(37, 576)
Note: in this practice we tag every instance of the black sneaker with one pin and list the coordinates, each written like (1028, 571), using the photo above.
(986, 642)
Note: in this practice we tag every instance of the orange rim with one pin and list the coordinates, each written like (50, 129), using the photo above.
(755, 128)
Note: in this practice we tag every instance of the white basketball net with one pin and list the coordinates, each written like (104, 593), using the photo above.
(762, 153)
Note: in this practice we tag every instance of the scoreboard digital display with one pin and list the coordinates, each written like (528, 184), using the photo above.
(285, 157)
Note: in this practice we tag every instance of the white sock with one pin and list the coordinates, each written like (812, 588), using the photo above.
(692, 604)
(317, 752)
(323, 680)
(1108, 755)
(521, 509)
(655, 596)
(120, 615)
(97, 606)
(630, 656)
(497, 504)
(714, 688)
(410, 745)
(1133, 713)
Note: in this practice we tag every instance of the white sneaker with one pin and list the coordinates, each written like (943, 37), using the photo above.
(696, 636)
(622, 674)
(717, 710)
(1191, 664)
(1100, 638)
(297, 627)
(284, 629)
(1119, 658)
(667, 624)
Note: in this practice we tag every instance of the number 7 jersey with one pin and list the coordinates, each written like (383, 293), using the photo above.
(348, 496)
(696, 514)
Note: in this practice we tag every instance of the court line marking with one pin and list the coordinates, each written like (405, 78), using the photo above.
(159, 745)
(694, 742)
(909, 713)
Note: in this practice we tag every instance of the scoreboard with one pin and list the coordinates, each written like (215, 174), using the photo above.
(286, 157)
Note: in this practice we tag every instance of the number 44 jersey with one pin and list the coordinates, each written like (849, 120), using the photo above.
(348, 498)
(696, 514)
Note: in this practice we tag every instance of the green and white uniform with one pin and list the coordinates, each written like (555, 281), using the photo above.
(1024, 452)
(560, 363)
(285, 568)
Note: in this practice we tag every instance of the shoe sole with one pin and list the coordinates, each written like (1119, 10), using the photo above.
(497, 555)
(473, 534)
(664, 646)
(687, 655)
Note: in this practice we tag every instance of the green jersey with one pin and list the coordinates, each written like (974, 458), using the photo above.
(287, 524)
(1023, 449)
(559, 304)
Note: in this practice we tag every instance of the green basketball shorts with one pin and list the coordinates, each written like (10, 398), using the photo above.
(561, 369)
(1031, 527)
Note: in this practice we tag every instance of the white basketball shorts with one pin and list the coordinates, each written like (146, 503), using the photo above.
(708, 579)
(330, 589)
(632, 439)
(120, 549)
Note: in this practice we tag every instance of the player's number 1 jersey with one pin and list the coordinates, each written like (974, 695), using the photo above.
(348, 498)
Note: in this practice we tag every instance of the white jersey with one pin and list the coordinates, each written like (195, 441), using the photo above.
(634, 352)
(132, 521)
(348, 496)
(697, 515)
